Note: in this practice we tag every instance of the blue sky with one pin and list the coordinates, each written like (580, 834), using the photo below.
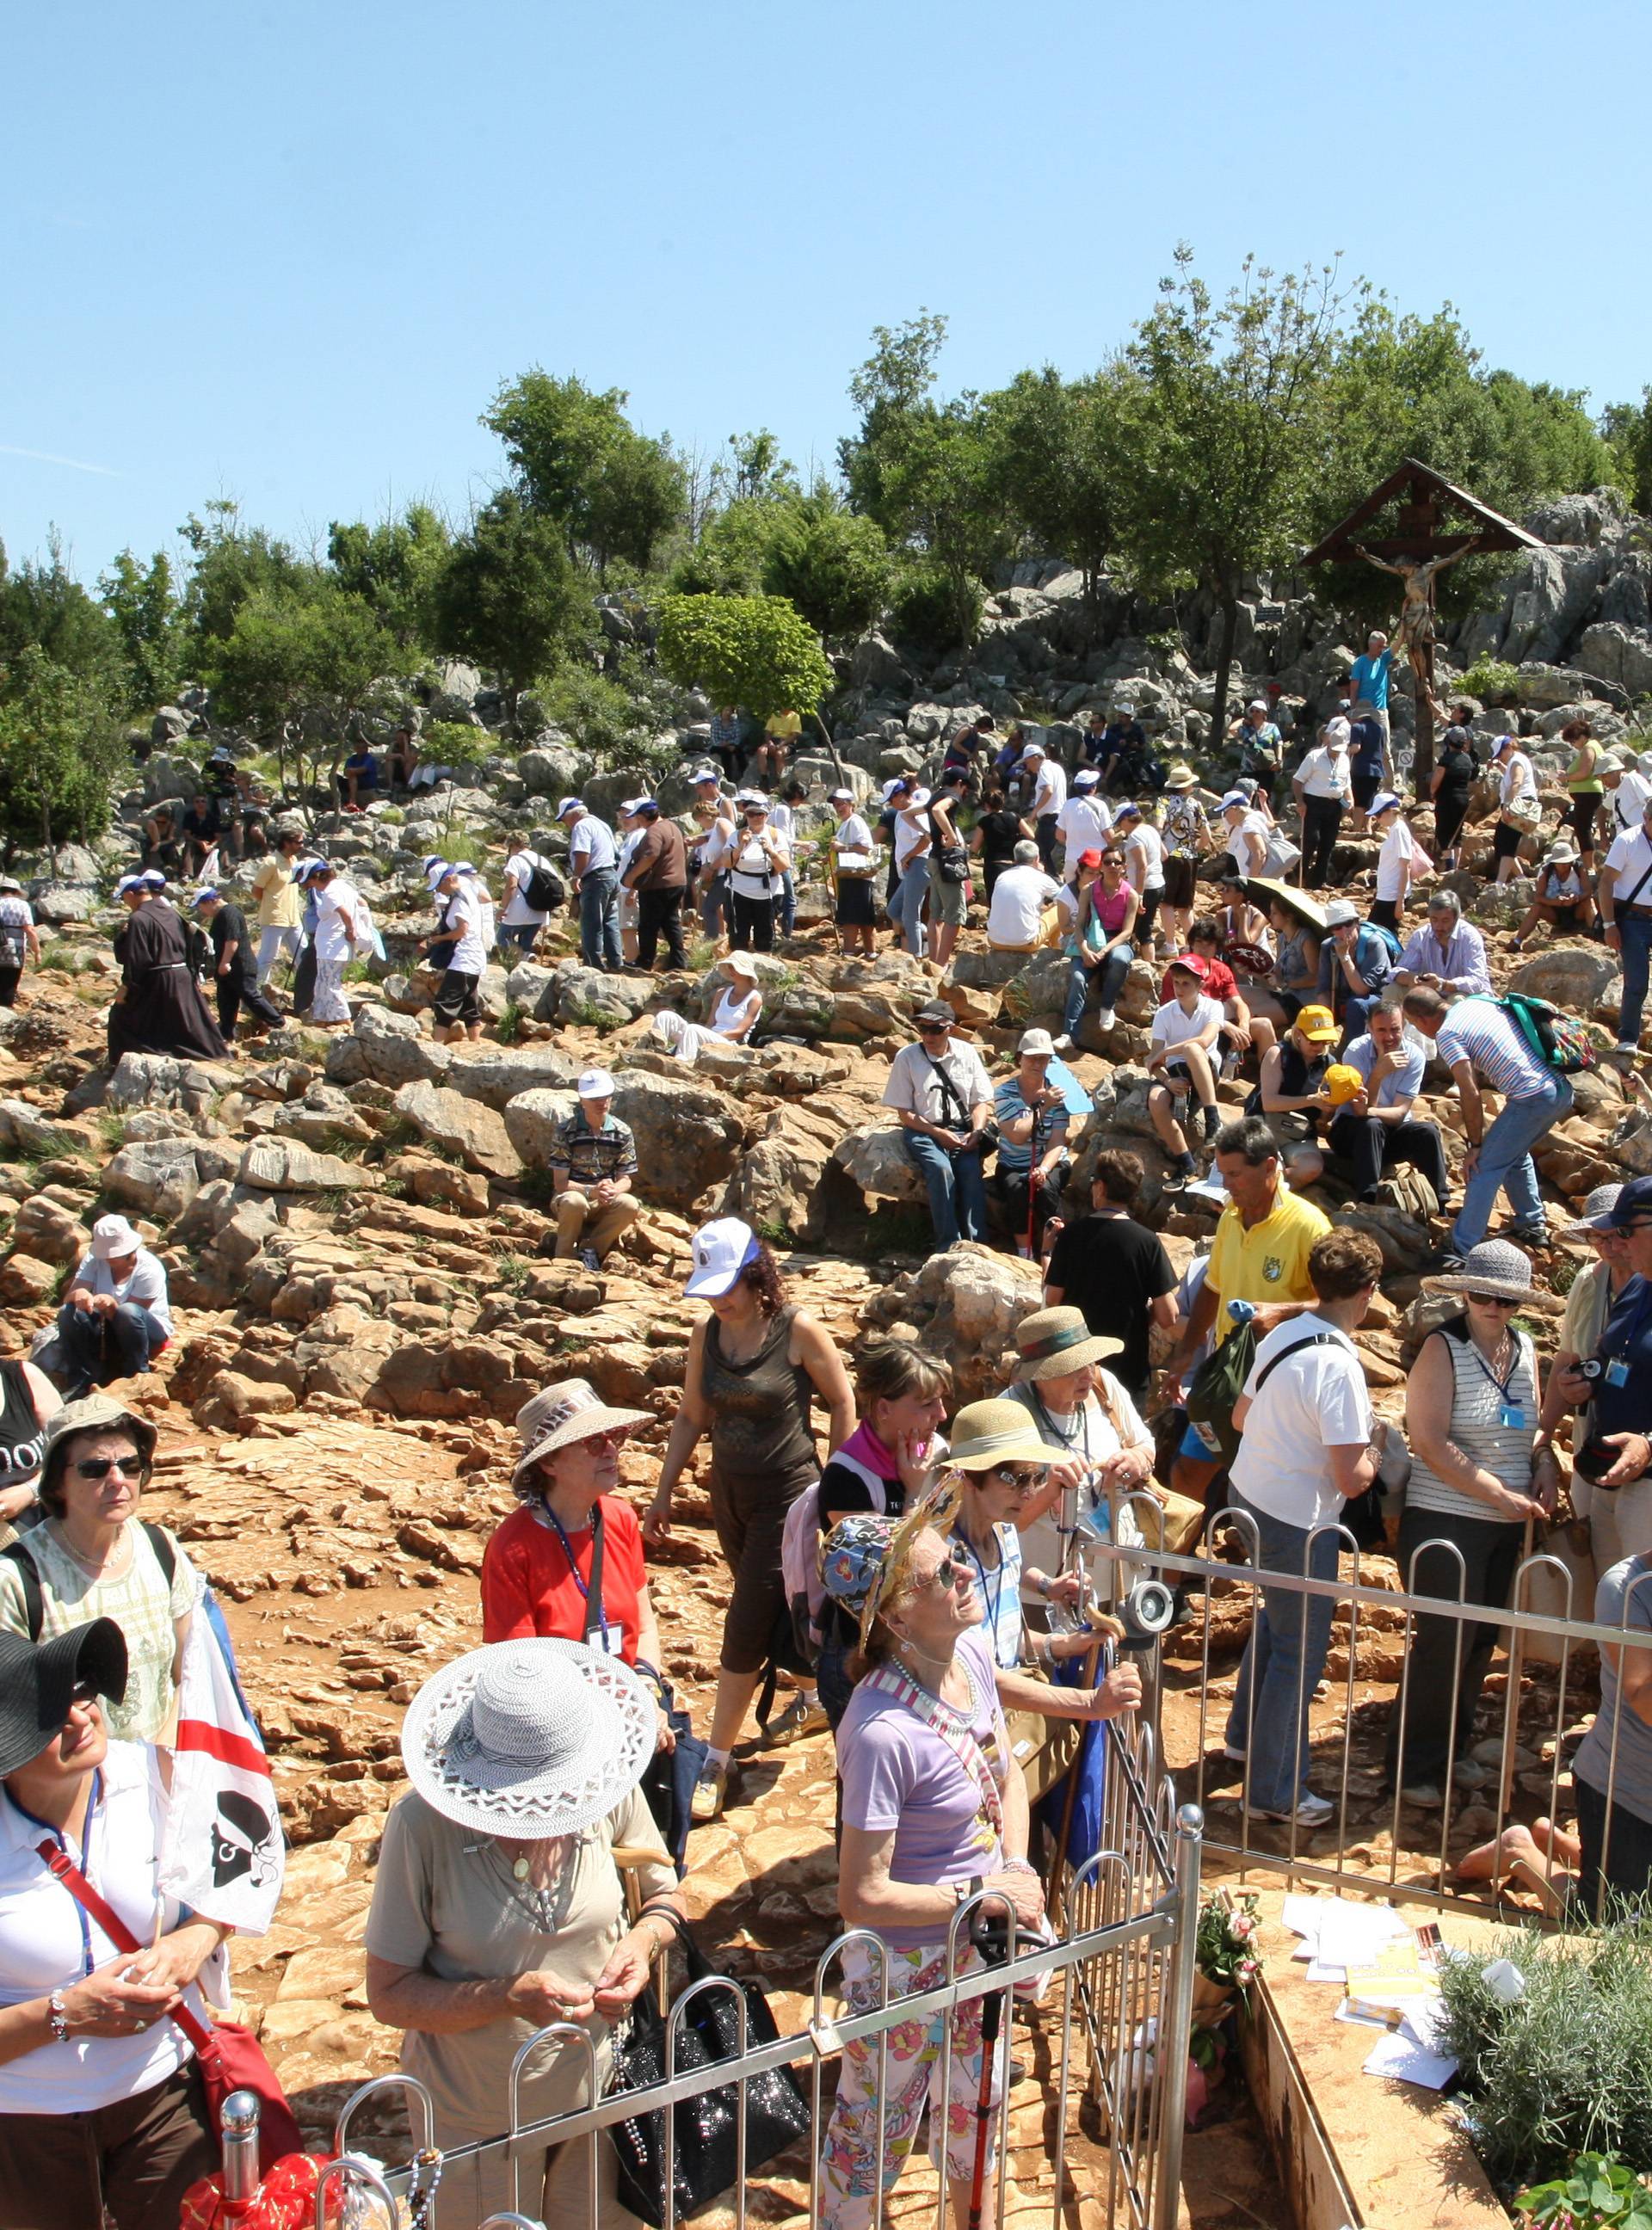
(287, 253)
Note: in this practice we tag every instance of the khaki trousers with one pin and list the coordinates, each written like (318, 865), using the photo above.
(582, 1222)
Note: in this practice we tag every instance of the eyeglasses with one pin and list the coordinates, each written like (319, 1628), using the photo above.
(1019, 1476)
(934, 1030)
(955, 1575)
(84, 1691)
(1496, 1300)
(614, 1437)
(100, 1466)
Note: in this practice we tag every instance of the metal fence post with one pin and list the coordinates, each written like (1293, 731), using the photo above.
(1177, 2020)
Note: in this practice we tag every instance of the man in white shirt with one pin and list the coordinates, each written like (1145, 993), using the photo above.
(1323, 789)
(855, 905)
(1014, 918)
(521, 921)
(1400, 860)
(1183, 1044)
(458, 1011)
(1448, 954)
(944, 1099)
(1082, 822)
(1049, 780)
(1375, 1131)
(1626, 793)
(1626, 909)
(1305, 1453)
(593, 874)
(115, 1314)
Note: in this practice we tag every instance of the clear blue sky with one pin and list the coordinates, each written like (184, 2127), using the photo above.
(287, 254)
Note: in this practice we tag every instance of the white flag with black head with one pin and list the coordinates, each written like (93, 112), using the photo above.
(223, 1853)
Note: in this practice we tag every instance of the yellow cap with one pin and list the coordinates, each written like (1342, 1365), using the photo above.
(1318, 1023)
(1342, 1083)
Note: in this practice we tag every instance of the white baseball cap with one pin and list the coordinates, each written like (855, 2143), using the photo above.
(840, 797)
(705, 774)
(1034, 751)
(595, 1083)
(721, 1250)
(1382, 803)
(570, 805)
(1086, 778)
(1037, 1041)
(1234, 797)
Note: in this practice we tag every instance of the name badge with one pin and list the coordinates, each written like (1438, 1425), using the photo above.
(1617, 1373)
(1512, 1420)
(607, 1645)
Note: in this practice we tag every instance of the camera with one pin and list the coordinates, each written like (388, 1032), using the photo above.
(1591, 1368)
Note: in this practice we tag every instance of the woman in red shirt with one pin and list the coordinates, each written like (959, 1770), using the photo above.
(536, 1575)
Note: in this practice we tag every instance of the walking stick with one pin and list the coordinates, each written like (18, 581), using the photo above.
(993, 1940)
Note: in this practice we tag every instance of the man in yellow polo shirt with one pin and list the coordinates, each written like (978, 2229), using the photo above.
(1261, 1255)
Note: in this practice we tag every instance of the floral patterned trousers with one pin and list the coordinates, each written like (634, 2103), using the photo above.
(912, 2076)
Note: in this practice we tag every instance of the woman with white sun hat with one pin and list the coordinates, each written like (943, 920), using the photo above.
(733, 1018)
(498, 1906)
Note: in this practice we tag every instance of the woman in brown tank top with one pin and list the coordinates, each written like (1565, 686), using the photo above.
(755, 1367)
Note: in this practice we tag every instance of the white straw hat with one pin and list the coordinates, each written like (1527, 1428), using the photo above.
(529, 1738)
(569, 1411)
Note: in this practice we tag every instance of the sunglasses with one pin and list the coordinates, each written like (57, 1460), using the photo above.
(1023, 1478)
(934, 1030)
(84, 1691)
(100, 1466)
(955, 1575)
(1495, 1301)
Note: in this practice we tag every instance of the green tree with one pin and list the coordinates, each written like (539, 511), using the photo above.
(299, 665)
(148, 614)
(60, 746)
(509, 594)
(1225, 435)
(891, 390)
(834, 567)
(729, 555)
(395, 567)
(756, 651)
(1057, 449)
(43, 605)
(1626, 428)
(576, 458)
(230, 561)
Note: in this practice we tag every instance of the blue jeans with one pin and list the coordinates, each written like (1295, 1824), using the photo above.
(97, 1349)
(1284, 1657)
(956, 1188)
(524, 935)
(1635, 944)
(1110, 976)
(599, 928)
(1356, 1020)
(910, 893)
(1506, 1164)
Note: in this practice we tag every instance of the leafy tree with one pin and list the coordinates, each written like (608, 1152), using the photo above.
(729, 556)
(509, 594)
(299, 666)
(925, 608)
(834, 567)
(395, 567)
(1057, 449)
(576, 459)
(230, 562)
(148, 614)
(59, 747)
(1626, 428)
(1225, 435)
(755, 651)
(891, 390)
(759, 473)
(43, 605)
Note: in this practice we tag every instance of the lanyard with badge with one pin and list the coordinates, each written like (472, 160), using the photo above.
(596, 1635)
(61, 1840)
(1617, 1356)
(1511, 1415)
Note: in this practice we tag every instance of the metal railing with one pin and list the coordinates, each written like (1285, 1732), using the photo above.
(1113, 2030)
(1541, 1697)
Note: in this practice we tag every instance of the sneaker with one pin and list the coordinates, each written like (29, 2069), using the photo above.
(1628, 1046)
(1312, 1812)
(1064, 1044)
(804, 1715)
(710, 1793)
(1529, 1234)
(1182, 1170)
(1106, 1019)
(1469, 1773)
(589, 1257)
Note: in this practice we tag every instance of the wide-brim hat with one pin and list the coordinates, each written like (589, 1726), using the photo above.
(1181, 777)
(988, 1432)
(94, 1413)
(563, 1414)
(38, 1680)
(1493, 1267)
(1052, 1342)
(1596, 1213)
(742, 963)
(1297, 902)
(529, 1738)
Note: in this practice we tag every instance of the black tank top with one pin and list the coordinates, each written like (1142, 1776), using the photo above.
(21, 1435)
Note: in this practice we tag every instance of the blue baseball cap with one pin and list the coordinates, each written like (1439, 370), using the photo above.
(205, 898)
(1632, 1206)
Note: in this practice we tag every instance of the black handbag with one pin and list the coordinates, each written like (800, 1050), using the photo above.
(706, 2127)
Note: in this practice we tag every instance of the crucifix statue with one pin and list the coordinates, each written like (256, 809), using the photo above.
(1416, 549)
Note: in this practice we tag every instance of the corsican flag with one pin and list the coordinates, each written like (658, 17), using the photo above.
(223, 1853)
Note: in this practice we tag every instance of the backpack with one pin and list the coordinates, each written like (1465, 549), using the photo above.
(805, 1592)
(34, 1600)
(1557, 1041)
(544, 889)
(1388, 937)
(1409, 1191)
(1216, 1386)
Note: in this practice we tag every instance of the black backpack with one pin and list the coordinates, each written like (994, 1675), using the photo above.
(35, 1602)
(544, 889)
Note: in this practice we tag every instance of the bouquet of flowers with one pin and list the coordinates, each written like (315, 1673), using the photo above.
(1225, 1953)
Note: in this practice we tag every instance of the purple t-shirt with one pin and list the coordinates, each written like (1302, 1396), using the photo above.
(897, 1773)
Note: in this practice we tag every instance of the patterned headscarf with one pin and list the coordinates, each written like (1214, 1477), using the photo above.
(863, 1561)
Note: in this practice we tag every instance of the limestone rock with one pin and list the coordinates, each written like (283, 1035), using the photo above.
(876, 1161)
(463, 1126)
(966, 1303)
(282, 1165)
(498, 1074)
(156, 1176)
(1574, 977)
(25, 1126)
(156, 1079)
(26, 1282)
(387, 1048)
(46, 1226)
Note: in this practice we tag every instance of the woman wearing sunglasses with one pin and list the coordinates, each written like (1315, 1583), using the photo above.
(93, 1557)
(101, 2102)
(1471, 1418)
(932, 1813)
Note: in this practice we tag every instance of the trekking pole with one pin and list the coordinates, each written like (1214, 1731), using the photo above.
(994, 1940)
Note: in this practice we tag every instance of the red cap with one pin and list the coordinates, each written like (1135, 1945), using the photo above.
(1193, 963)
(1089, 859)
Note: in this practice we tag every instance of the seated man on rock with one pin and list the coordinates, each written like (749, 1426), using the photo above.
(1355, 968)
(1375, 1130)
(114, 1316)
(943, 1097)
(1016, 916)
(592, 1164)
(1448, 953)
(1033, 1120)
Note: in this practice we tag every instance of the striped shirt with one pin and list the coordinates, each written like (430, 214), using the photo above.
(1478, 1031)
(1479, 1402)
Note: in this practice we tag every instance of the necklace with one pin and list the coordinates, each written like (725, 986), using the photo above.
(546, 1907)
(98, 1567)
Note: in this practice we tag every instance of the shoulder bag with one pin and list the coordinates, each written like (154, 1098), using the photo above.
(705, 2127)
(230, 2056)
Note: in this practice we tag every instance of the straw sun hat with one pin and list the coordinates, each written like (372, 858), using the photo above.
(1493, 1267)
(529, 1738)
(1052, 1343)
(569, 1411)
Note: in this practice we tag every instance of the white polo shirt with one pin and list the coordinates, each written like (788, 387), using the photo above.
(1629, 859)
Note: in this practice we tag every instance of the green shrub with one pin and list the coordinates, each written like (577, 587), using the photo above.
(933, 612)
(597, 712)
(1600, 2194)
(1490, 679)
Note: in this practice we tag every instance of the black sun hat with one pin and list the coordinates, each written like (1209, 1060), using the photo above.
(38, 1680)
